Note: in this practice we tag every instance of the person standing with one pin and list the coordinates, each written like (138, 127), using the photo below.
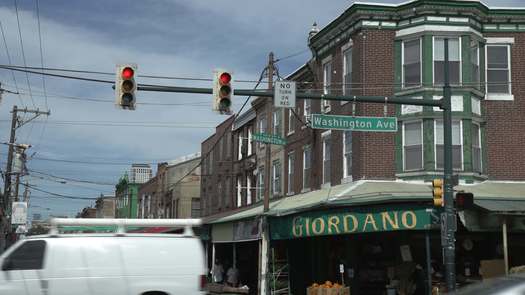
(217, 272)
(232, 276)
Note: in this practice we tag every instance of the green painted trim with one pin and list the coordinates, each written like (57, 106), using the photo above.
(467, 145)
(399, 149)
(466, 64)
(428, 144)
(398, 65)
(427, 59)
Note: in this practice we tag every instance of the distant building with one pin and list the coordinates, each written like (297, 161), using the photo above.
(105, 206)
(140, 173)
(126, 198)
(87, 212)
(37, 216)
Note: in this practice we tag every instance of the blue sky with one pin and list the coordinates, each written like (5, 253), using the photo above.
(164, 37)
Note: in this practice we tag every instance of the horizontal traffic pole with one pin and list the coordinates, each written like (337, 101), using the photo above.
(303, 95)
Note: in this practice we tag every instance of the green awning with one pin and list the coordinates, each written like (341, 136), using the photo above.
(511, 207)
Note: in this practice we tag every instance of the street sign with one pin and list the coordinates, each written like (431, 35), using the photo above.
(19, 215)
(284, 94)
(268, 138)
(374, 124)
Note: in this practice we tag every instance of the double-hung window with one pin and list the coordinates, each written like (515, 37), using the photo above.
(498, 70)
(277, 122)
(291, 121)
(291, 164)
(260, 183)
(474, 61)
(276, 178)
(239, 192)
(327, 85)
(347, 72)
(347, 154)
(457, 146)
(476, 148)
(240, 147)
(413, 146)
(327, 145)
(248, 190)
(307, 165)
(454, 57)
(411, 63)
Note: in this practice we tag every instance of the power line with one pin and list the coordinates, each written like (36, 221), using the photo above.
(291, 55)
(73, 179)
(56, 194)
(23, 52)
(9, 61)
(126, 124)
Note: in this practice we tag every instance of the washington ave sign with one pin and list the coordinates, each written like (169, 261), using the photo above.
(377, 124)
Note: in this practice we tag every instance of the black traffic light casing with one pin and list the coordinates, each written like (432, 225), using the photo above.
(222, 92)
(464, 200)
(125, 86)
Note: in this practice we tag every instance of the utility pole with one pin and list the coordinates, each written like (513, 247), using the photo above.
(7, 178)
(269, 131)
(449, 223)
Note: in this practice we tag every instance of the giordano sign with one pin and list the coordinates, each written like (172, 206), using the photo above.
(350, 221)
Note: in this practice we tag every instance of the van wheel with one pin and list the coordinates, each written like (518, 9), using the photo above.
(154, 293)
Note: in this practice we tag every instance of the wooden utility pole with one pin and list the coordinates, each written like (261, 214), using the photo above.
(269, 121)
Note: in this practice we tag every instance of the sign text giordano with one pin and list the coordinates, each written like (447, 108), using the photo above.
(354, 223)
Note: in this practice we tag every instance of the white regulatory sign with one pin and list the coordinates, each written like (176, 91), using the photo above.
(284, 94)
(19, 214)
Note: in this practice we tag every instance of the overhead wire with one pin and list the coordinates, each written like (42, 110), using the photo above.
(23, 51)
(32, 187)
(9, 62)
(72, 179)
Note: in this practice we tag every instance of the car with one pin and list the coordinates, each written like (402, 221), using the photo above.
(507, 285)
(106, 263)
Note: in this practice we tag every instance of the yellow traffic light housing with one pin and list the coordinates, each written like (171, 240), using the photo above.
(437, 192)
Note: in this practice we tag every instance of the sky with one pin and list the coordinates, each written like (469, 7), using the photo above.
(171, 38)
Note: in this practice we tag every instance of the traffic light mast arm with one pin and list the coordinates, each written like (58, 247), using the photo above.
(304, 95)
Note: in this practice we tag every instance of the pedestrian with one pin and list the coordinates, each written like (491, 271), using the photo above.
(232, 276)
(217, 272)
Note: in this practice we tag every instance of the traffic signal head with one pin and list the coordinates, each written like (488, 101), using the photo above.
(222, 92)
(437, 192)
(464, 200)
(125, 86)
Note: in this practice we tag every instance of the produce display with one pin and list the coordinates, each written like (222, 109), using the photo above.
(327, 288)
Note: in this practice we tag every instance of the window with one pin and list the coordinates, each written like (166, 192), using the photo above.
(307, 158)
(476, 148)
(240, 139)
(327, 143)
(29, 256)
(413, 146)
(474, 61)
(291, 164)
(262, 128)
(195, 208)
(457, 154)
(454, 57)
(498, 69)
(220, 194)
(347, 72)
(276, 178)
(228, 189)
(260, 184)
(250, 143)
(248, 190)
(291, 121)
(239, 192)
(347, 154)
(277, 122)
(327, 84)
(307, 109)
(411, 63)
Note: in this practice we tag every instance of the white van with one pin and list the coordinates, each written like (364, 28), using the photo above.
(104, 264)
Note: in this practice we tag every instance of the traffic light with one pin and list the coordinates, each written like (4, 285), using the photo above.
(464, 200)
(437, 192)
(125, 86)
(222, 92)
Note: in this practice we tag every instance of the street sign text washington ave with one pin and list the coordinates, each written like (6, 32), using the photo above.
(375, 124)
(268, 138)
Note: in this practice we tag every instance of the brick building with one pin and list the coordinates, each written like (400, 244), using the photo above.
(341, 184)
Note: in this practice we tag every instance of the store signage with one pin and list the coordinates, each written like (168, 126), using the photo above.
(349, 221)
(377, 124)
(268, 138)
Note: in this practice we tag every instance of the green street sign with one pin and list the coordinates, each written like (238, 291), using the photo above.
(268, 138)
(375, 124)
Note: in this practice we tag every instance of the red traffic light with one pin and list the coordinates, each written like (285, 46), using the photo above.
(464, 200)
(225, 78)
(127, 73)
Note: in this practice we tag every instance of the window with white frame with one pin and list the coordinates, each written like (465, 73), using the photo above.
(454, 56)
(291, 164)
(291, 121)
(411, 63)
(276, 178)
(277, 122)
(262, 127)
(239, 192)
(476, 148)
(260, 183)
(250, 143)
(474, 61)
(413, 146)
(327, 84)
(248, 190)
(307, 109)
(327, 145)
(347, 153)
(457, 145)
(240, 139)
(307, 164)
(498, 69)
(347, 72)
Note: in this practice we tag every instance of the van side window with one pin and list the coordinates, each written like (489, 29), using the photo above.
(30, 255)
